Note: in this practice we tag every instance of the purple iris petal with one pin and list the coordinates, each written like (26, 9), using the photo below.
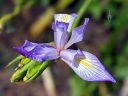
(77, 34)
(68, 54)
(38, 52)
(74, 15)
(60, 34)
(84, 64)
(66, 19)
(88, 68)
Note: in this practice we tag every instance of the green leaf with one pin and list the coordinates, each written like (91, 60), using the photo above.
(15, 60)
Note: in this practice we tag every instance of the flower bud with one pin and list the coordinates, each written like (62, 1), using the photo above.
(19, 74)
(35, 71)
(32, 71)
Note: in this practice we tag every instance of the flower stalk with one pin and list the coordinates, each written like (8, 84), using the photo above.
(81, 12)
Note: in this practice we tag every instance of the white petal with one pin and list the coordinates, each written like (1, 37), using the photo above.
(66, 18)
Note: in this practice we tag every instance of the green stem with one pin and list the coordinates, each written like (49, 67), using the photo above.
(15, 60)
(9, 16)
(81, 12)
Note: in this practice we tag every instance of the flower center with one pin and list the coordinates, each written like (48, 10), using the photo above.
(83, 62)
(58, 51)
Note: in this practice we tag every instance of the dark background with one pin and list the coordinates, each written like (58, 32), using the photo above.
(106, 37)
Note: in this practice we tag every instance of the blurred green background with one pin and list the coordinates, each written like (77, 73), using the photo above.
(106, 37)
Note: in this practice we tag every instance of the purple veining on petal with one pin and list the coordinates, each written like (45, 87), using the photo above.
(60, 34)
(66, 18)
(68, 54)
(77, 34)
(88, 68)
(37, 52)
(84, 64)
(74, 15)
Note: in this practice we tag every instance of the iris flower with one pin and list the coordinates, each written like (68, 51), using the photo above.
(84, 64)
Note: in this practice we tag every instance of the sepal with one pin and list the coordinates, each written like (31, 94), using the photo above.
(15, 60)
(35, 71)
(28, 70)
(19, 74)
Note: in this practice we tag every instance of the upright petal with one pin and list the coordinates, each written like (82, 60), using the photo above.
(37, 52)
(87, 67)
(60, 34)
(77, 34)
(66, 19)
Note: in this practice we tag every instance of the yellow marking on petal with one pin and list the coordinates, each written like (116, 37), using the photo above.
(64, 18)
(83, 62)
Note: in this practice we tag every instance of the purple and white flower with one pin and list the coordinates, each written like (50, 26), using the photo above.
(84, 64)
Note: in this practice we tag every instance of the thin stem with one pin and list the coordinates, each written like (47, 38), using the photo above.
(49, 82)
(80, 13)
(15, 60)
(9, 16)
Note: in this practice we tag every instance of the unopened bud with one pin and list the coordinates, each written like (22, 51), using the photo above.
(20, 73)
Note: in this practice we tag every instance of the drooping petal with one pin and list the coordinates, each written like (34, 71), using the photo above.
(66, 18)
(87, 67)
(77, 34)
(60, 34)
(37, 52)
